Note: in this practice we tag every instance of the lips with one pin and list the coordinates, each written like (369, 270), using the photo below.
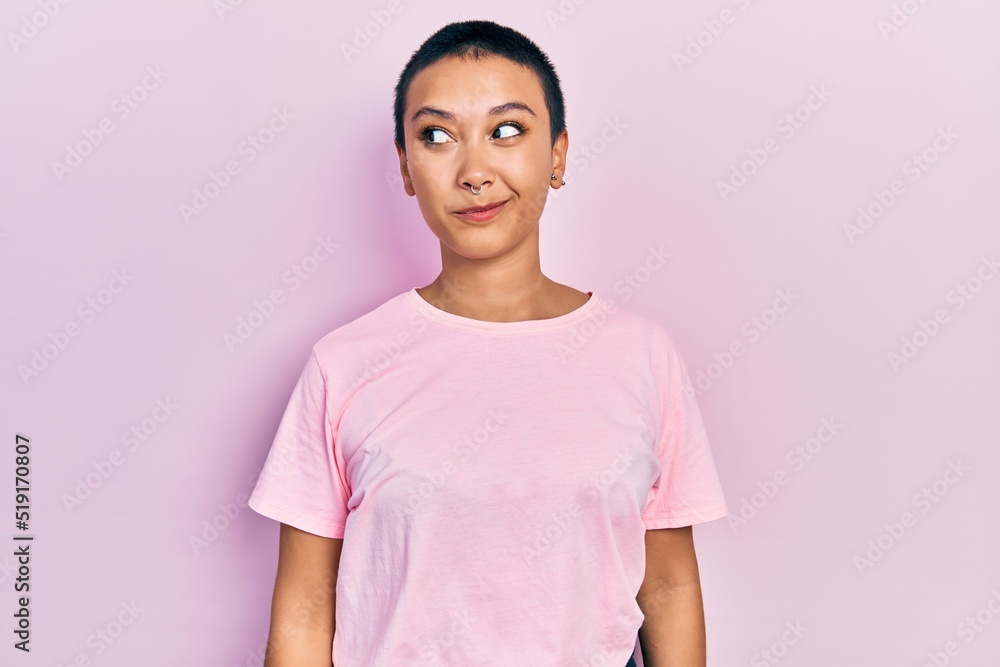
(479, 209)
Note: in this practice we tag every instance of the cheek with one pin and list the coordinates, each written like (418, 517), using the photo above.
(428, 181)
(432, 199)
(421, 161)
(520, 173)
(535, 163)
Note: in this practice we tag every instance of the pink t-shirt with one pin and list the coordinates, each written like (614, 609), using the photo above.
(492, 481)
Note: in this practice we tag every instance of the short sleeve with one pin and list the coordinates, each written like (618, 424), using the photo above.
(301, 483)
(688, 490)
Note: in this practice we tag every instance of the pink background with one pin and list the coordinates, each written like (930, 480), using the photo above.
(331, 172)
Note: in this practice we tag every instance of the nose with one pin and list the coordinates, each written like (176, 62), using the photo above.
(475, 170)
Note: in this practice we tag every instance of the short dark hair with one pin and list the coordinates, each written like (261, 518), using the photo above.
(478, 39)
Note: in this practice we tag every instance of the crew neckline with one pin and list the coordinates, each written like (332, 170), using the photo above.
(523, 326)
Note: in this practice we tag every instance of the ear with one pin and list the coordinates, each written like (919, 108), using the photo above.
(404, 170)
(559, 150)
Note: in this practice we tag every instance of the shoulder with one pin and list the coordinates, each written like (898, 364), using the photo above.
(382, 317)
(365, 346)
(630, 323)
(362, 334)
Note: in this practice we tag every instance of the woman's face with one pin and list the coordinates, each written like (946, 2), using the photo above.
(471, 131)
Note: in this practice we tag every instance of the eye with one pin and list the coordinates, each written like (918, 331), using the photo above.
(429, 132)
(516, 126)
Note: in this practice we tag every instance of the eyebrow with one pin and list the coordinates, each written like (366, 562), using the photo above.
(498, 110)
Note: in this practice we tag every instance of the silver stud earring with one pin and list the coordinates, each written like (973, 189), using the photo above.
(554, 178)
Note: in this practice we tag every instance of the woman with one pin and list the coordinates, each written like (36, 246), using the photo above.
(493, 469)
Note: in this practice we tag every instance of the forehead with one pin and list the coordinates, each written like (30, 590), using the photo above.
(465, 86)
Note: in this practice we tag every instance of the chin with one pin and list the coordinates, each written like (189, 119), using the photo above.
(485, 249)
